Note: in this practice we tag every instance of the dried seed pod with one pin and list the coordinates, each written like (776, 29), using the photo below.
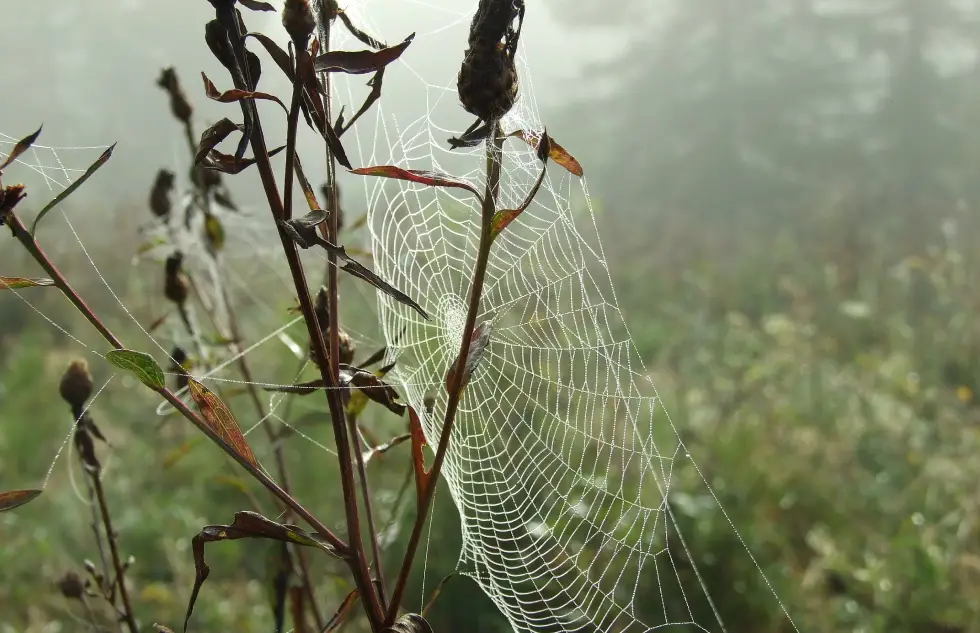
(487, 82)
(175, 284)
(160, 203)
(72, 586)
(297, 19)
(179, 105)
(76, 385)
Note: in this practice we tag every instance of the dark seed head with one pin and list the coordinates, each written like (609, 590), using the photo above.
(72, 586)
(297, 19)
(180, 107)
(76, 385)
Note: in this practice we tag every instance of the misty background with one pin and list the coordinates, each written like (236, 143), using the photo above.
(787, 191)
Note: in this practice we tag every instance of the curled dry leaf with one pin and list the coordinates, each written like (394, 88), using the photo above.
(556, 152)
(255, 5)
(228, 164)
(384, 448)
(421, 176)
(213, 136)
(22, 146)
(94, 167)
(219, 419)
(246, 525)
(275, 51)
(233, 95)
(360, 62)
(358, 33)
(16, 283)
(409, 623)
(17, 498)
(479, 342)
(342, 612)
(374, 388)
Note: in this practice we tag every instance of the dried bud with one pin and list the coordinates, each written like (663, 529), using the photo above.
(9, 197)
(179, 105)
(175, 285)
(72, 586)
(297, 19)
(160, 203)
(76, 385)
(487, 82)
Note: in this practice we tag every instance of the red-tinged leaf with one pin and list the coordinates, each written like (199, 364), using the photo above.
(14, 283)
(421, 176)
(213, 136)
(360, 62)
(255, 5)
(22, 146)
(17, 498)
(275, 51)
(233, 95)
(220, 420)
(502, 218)
(342, 612)
(384, 448)
(556, 153)
(226, 163)
(409, 623)
(418, 458)
(247, 525)
(314, 106)
(479, 342)
(99, 162)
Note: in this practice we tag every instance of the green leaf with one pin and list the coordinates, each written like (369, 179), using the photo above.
(12, 283)
(94, 167)
(143, 365)
(16, 498)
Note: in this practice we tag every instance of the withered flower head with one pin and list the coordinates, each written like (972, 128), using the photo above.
(160, 203)
(297, 19)
(9, 197)
(487, 81)
(76, 385)
(179, 105)
(175, 284)
(72, 586)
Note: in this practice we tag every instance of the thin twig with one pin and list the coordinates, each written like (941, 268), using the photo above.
(368, 507)
(130, 618)
(494, 158)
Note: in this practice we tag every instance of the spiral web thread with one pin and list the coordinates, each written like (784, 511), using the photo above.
(562, 456)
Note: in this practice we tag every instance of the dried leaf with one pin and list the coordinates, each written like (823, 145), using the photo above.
(305, 236)
(471, 138)
(409, 623)
(356, 32)
(342, 612)
(220, 420)
(376, 389)
(213, 136)
(502, 218)
(479, 342)
(435, 594)
(143, 365)
(255, 5)
(233, 95)
(304, 184)
(99, 162)
(15, 283)
(375, 94)
(246, 525)
(360, 62)
(16, 498)
(275, 51)
(226, 163)
(556, 152)
(314, 108)
(22, 146)
(384, 448)
(422, 176)
(418, 458)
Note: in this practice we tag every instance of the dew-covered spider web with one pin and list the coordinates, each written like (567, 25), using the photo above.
(563, 459)
(563, 463)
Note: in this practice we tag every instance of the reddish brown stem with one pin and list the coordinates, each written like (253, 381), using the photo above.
(494, 145)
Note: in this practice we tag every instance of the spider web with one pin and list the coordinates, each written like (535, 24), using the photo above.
(562, 460)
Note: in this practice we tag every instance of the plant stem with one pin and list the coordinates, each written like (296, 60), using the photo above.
(114, 552)
(494, 146)
(32, 247)
(368, 507)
